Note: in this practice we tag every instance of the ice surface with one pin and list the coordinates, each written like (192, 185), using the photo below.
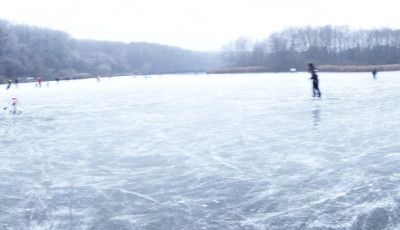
(249, 151)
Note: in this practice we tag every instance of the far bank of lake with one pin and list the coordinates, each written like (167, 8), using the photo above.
(327, 68)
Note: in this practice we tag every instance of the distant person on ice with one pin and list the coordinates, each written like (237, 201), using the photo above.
(374, 72)
(13, 106)
(39, 81)
(9, 83)
(314, 77)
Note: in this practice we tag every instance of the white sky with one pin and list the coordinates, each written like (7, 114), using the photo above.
(204, 25)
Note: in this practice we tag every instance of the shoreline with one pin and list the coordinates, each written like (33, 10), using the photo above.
(325, 68)
(357, 68)
(248, 69)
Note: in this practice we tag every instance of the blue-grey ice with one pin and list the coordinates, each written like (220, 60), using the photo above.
(247, 151)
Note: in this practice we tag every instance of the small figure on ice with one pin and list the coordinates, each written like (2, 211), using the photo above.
(374, 72)
(9, 83)
(314, 77)
(39, 82)
(13, 106)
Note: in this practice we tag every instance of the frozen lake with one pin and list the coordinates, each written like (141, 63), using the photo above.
(190, 152)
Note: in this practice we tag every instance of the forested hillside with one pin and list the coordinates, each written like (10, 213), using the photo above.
(333, 45)
(28, 51)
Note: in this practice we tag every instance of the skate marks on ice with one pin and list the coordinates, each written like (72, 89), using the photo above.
(204, 153)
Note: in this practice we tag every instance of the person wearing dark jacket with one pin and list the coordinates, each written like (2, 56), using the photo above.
(314, 77)
(9, 83)
(374, 72)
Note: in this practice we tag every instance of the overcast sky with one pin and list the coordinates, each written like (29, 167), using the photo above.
(204, 25)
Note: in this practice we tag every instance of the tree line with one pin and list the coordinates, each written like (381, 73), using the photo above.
(333, 45)
(30, 51)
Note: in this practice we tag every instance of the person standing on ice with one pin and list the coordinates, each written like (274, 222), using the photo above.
(39, 81)
(9, 83)
(314, 77)
(374, 72)
(13, 105)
